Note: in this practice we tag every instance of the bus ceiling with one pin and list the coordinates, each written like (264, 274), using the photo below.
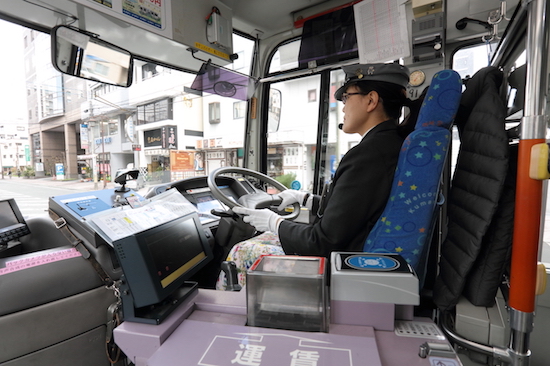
(165, 31)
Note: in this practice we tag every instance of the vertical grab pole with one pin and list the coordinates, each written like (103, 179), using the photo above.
(527, 219)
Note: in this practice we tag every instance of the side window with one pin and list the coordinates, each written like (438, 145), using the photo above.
(291, 141)
(294, 122)
(468, 60)
(293, 138)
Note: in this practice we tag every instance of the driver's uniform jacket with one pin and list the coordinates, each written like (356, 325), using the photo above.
(355, 200)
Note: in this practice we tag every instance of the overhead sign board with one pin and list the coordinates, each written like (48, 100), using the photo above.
(176, 20)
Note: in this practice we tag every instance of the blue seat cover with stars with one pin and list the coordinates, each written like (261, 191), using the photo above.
(406, 223)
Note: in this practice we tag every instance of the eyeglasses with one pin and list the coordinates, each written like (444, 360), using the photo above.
(345, 96)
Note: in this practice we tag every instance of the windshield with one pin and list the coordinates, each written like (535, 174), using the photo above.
(69, 128)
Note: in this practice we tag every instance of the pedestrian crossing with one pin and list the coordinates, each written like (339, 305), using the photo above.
(28, 205)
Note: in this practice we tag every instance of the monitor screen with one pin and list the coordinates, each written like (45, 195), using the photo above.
(7, 216)
(329, 38)
(12, 223)
(206, 203)
(174, 252)
(156, 262)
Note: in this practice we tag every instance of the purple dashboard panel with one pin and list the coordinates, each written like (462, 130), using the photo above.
(201, 343)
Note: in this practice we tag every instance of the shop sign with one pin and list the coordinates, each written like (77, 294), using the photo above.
(106, 140)
(59, 171)
(181, 161)
(215, 155)
(152, 138)
(84, 136)
(152, 152)
(130, 128)
(169, 137)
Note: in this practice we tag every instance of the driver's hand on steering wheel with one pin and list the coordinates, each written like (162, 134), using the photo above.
(291, 196)
(262, 220)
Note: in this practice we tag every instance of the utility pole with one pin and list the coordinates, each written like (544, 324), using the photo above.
(93, 153)
(17, 156)
(101, 124)
(1, 164)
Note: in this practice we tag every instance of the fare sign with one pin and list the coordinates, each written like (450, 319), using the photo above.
(202, 343)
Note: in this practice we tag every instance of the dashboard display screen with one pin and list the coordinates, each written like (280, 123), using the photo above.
(175, 250)
(206, 203)
(7, 216)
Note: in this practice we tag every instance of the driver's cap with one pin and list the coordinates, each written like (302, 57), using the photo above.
(390, 73)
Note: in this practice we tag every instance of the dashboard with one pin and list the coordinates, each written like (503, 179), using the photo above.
(196, 190)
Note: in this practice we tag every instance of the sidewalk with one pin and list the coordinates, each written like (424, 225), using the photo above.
(75, 184)
(72, 184)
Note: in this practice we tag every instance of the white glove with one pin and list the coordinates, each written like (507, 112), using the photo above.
(262, 220)
(290, 196)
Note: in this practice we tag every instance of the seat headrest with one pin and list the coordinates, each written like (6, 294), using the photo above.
(441, 100)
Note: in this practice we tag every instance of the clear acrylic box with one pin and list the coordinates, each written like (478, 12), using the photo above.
(288, 292)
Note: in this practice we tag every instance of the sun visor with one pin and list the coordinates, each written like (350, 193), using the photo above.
(227, 83)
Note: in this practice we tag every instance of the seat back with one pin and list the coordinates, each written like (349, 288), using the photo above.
(54, 305)
(406, 223)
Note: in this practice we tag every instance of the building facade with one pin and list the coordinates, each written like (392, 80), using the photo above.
(14, 147)
(53, 104)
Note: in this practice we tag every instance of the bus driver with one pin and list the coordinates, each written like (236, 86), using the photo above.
(373, 96)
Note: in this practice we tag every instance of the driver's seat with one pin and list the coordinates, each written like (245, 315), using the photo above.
(406, 224)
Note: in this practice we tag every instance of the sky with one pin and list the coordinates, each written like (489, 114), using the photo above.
(13, 104)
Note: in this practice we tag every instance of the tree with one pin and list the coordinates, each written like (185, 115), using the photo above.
(28, 172)
(286, 179)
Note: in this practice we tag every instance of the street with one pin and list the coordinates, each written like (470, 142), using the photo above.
(31, 195)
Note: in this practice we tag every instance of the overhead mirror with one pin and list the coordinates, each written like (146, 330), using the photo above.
(78, 53)
(224, 82)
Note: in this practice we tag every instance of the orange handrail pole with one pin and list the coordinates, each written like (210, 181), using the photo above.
(527, 219)
(526, 233)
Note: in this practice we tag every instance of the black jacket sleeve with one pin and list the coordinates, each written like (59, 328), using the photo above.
(356, 199)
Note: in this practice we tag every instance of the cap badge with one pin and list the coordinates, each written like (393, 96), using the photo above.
(370, 70)
(359, 73)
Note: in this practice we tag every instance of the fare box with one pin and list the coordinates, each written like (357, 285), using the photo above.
(288, 292)
(372, 289)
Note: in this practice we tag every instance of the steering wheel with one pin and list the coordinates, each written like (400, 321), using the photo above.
(259, 199)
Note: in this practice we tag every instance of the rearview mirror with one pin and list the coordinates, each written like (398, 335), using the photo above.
(124, 177)
(78, 53)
